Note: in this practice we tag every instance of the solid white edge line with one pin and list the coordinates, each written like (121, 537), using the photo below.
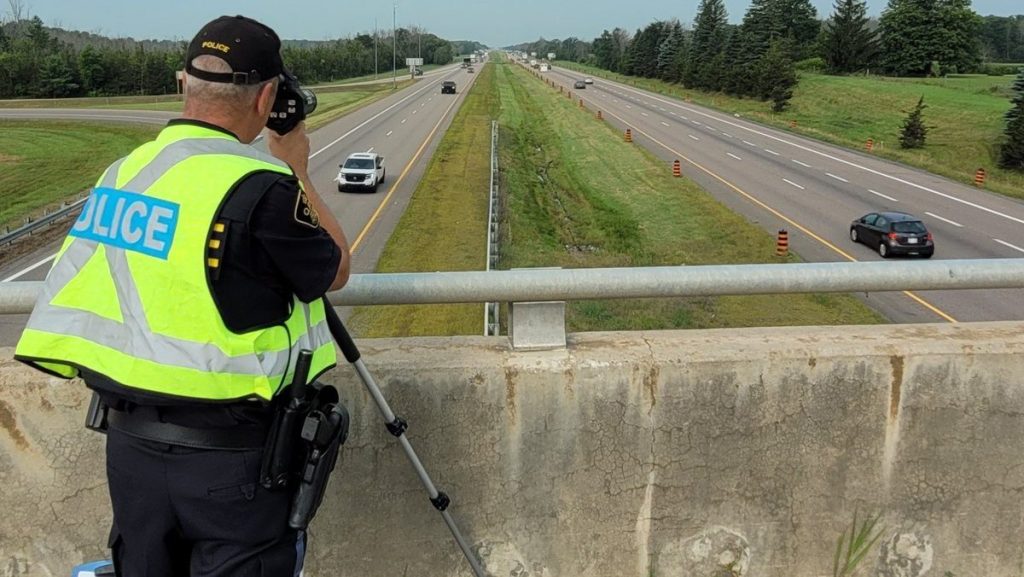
(952, 222)
(29, 269)
(840, 160)
(734, 156)
(1013, 246)
(885, 196)
(839, 178)
(794, 184)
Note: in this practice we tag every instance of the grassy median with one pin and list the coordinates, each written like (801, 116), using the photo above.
(576, 196)
(445, 225)
(580, 197)
(965, 115)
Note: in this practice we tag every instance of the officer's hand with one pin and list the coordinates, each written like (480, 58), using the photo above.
(292, 148)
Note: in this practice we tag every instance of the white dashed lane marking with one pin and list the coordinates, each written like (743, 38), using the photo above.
(390, 132)
(772, 152)
(793, 183)
(748, 142)
(952, 222)
(804, 164)
(886, 197)
(693, 137)
(663, 123)
(734, 156)
(839, 178)
(1013, 246)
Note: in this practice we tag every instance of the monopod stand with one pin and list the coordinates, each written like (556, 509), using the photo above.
(397, 427)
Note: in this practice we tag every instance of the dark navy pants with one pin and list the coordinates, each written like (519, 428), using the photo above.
(181, 512)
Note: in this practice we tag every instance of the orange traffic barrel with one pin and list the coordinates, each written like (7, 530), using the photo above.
(782, 244)
(599, 115)
(629, 135)
(677, 169)
(869, 145)
(979, 177)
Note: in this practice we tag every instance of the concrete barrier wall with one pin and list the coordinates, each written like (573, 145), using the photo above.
(698, 454)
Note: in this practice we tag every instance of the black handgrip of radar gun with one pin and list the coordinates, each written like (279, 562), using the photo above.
(340, 333)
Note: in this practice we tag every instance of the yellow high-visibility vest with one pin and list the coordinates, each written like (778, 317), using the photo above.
(129, 295)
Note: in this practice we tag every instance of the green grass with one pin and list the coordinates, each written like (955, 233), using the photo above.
(576, 196)
(445, 225)
(965, 114)
(135, 102)
(42, 163)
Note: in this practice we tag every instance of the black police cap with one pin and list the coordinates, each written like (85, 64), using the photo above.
(252, 50)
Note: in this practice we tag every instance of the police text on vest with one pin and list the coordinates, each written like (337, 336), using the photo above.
(128, 220)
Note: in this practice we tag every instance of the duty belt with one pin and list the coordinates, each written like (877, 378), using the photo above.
(241, 437)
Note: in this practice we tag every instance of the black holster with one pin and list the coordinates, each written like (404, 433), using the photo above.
(302, 448)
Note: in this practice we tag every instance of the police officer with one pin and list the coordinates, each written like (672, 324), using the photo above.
(182, 296)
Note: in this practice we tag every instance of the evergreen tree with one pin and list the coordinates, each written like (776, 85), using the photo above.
(709, 35)
(768, 20)
(1011, 153)
(775, 76)
(668, 53)
(645, 49)
(914, 131)
(917, 35)
(849, 44)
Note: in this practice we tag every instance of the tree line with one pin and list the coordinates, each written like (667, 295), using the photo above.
(759, 57)
(41, 62)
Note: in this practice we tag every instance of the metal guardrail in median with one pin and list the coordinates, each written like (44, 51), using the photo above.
(491, 323)
(47, 219)
(645, 282)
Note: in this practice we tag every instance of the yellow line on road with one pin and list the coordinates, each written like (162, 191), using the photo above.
(785, 218)
(394, 187)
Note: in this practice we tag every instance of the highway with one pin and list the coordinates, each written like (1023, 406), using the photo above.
(405, 128)
(814, 190)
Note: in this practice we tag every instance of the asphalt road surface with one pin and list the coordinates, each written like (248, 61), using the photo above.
(814, 190)
(405, 128)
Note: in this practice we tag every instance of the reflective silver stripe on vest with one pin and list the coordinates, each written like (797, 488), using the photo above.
(133, 337)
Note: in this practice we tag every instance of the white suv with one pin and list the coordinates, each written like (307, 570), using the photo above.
(361, 171)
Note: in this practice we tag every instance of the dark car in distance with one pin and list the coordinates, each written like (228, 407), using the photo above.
(448, 87)
(893, 233)
(579, 85)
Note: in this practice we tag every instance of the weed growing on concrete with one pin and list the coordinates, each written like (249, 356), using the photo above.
(858, 543)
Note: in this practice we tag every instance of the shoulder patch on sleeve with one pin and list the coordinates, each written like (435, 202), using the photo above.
(304, 211)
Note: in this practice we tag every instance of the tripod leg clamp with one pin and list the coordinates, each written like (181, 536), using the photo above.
(398, 427)
(441, 502)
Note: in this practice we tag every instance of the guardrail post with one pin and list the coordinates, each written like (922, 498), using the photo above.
(537, 325)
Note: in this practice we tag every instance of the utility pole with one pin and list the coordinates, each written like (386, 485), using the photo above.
(394, 46)
(375, 42)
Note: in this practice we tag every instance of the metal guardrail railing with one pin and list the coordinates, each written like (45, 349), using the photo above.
(526, 285)
(48, 218)
(491, 322)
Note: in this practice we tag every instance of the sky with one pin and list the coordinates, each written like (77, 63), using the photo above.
(495, 23)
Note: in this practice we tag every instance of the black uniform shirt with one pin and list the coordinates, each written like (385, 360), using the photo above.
(272, 248)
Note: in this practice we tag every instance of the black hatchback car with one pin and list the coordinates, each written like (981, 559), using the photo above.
(893, 233)
(447, 87)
